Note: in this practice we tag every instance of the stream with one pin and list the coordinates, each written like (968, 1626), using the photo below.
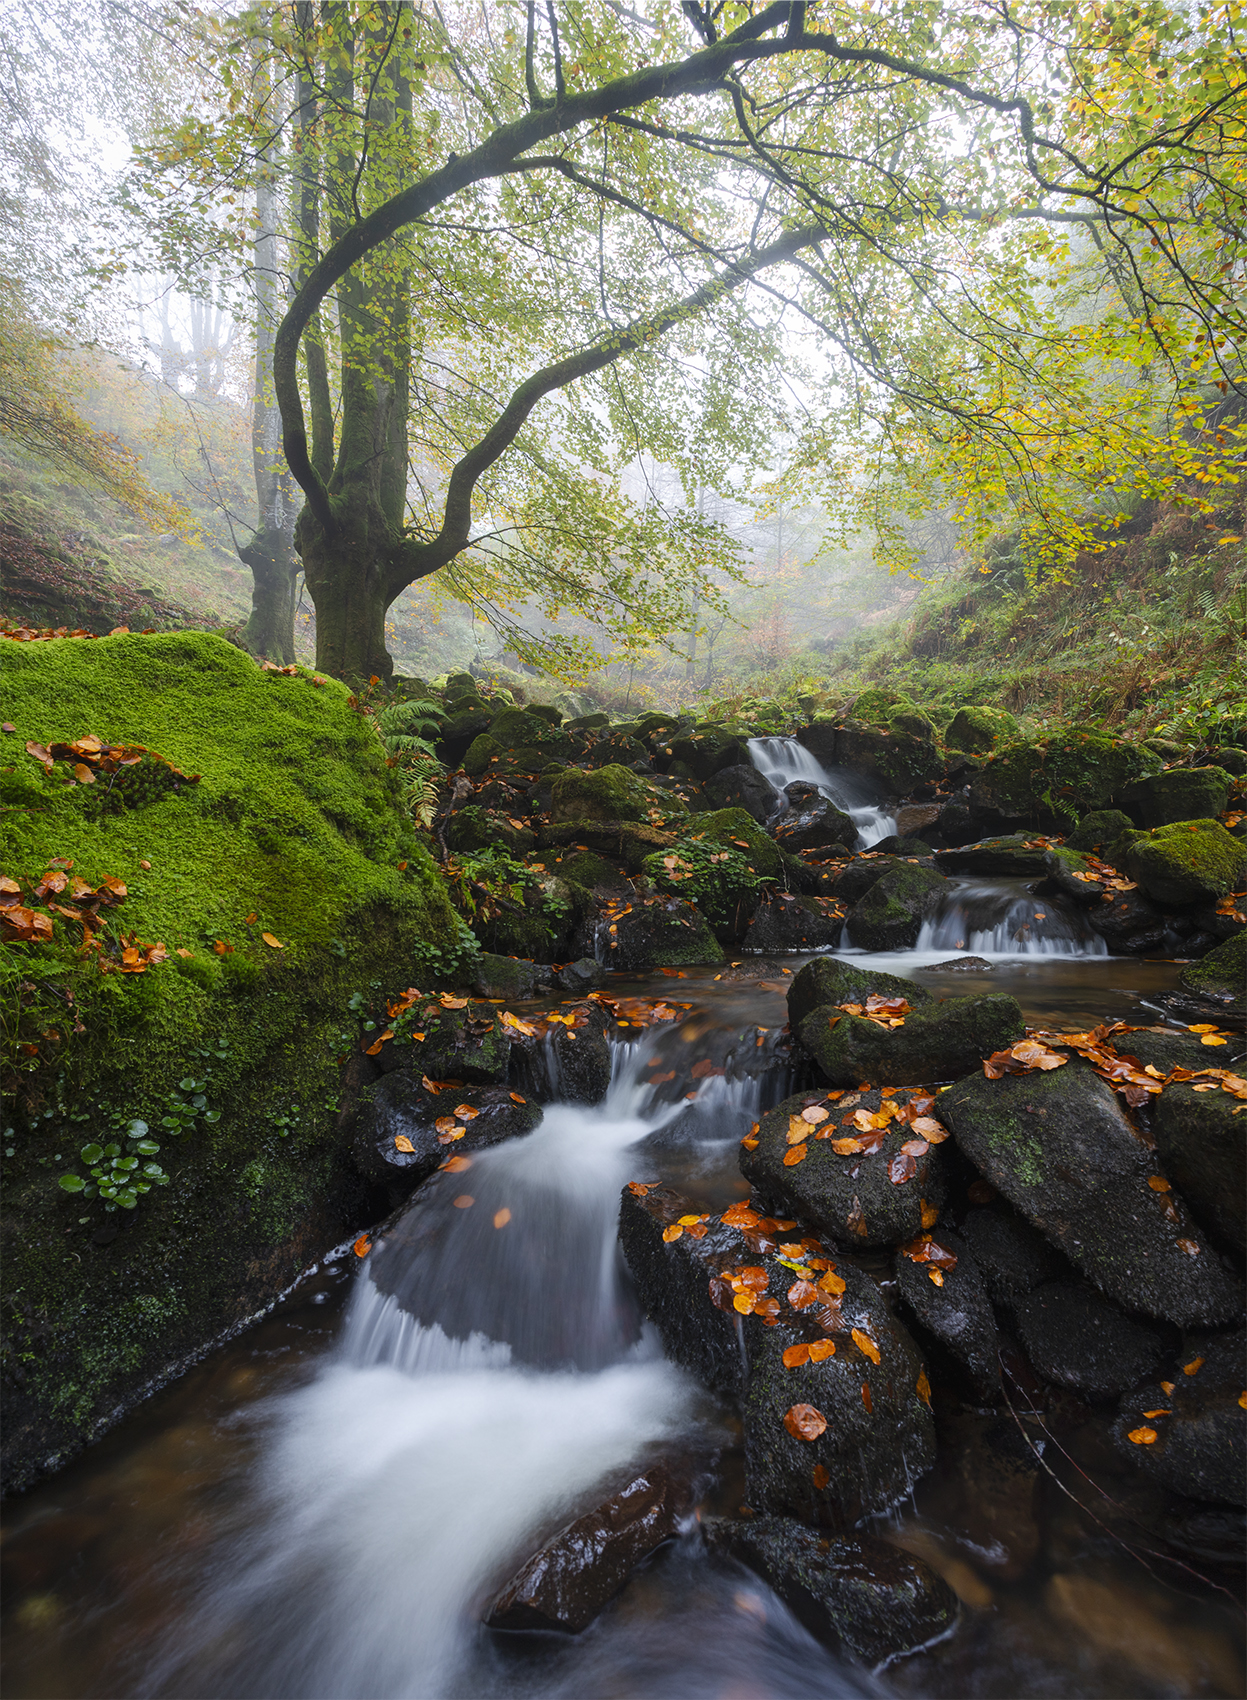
(327, 1504)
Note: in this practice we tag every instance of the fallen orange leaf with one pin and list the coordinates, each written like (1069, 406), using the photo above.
(865, 1344)
(501, 1217)
(465, 1201)
(402, 1143)
(804, 1422)
(795, 1154)
(362, 1246)
(270, 940)
(821, 1475)
(795, 1356)
(1142, 1436)
(821, 1349)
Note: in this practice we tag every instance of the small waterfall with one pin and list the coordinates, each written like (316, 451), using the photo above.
(999, 917)
(784, 759)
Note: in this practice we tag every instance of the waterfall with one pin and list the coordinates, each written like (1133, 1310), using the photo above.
(1000, 917)
(782, 760)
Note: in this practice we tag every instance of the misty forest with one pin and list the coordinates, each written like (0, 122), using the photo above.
(623, 849)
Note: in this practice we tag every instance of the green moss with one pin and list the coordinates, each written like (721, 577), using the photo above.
(876, 706)
(517, 728)
(265, 1026)
(721, 826)
(1189, 862)
(980, 728)
(1190, 793)
(481, 752)
(608, 794)
(1099, 830)
(1062, 777)
(1222, 974)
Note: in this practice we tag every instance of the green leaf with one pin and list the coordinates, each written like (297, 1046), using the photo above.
(72, 1183)
(91, 1153)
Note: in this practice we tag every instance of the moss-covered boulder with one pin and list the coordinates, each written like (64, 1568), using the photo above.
(832, 981)
(706, 748)
(459, 732)
(784, 921)
(292, 831)
(482, 753)
(522, 729)
(1194, 861)
(474, 828)
(894, 759)
(979, 729)
(1014, 855)
(1221, 976)
(655, 932)
(1055, 780)
(876, 705)
(1060, 1147)
(891, 914)
(1098, 830)
(938, 1041)
(609, 793)
(1182, 794)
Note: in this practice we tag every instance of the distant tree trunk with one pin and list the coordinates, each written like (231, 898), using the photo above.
(270, 551)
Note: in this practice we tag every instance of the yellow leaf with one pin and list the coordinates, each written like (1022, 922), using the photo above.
(269, 939)
(402, 1143)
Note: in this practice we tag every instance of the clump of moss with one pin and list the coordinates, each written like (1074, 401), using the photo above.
(1062, 777)
(980, 728)
(610, 793)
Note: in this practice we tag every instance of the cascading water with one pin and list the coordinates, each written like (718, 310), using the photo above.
(781, 760)
(999, 917)
(493, 1380)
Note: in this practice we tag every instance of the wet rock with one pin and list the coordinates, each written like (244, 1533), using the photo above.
(863, 1460)
(1070, 875)
(960, 964)
(909, 848)
(1167, 1048)
(1051, 781)
(890, 915)
(830, 981)
(1013, 1258)
(467, 1044)
(1201, 1141)
(1182, 794)
(915, 819)
(1008, 855)
(400, 1109)
(894, 758)
(1194, 861)
(937, 1042)
(1131, 924)
(956, 1309)
(743, 787)
(508, 977)
(1076, 1338)
(858, 1592)
(474, 828)
(1061, 1149)
(655, 932)
(565, 1584)
(583, 975)
(1200, 1444)
(860, 1199)
(571, 1063)
(816, 824)
(1098, 830)
(879, 1438)
(786, 922)
(1219, 978)
(853, 881)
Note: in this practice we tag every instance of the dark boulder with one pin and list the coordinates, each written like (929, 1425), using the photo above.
(860, 1198)
(846, 1437)
(1131, 924)
(655, 932)
(1076, 1338)
(890, 915)
(816, 824)
(785, 922)
(508, 977)
(938, 1041)
(951, 1303)
(1013, 1258)
(1098, 830)
(912, 849)
(959, 965)
(565, 1584)
(1009, 855)
(854, 880)
(459, 732)
(571, 1064)
(1181, 794)
(707, 750)
(1201, 1141)
(446, 1042)
(858, 1593)
(1060, 1147)
(583, 975)
(1194, 1418)
(730, 1295)
(915, 820)
(397, 1138)
(833, 981)
(743, 787)
(1167, 1048)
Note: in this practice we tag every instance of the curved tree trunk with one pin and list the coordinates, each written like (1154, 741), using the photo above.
(348, 579)
(274, 572)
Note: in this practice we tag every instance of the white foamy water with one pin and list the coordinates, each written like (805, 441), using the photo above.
(493, 1380)
(1001, 918)
(782, 760)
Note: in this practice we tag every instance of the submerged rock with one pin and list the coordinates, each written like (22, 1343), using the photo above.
(858, 1593)
(861, 1198)
(565, 1584)
(938, 1042)
(1061, 1149)
(955, 1308)
(1189, 1432)
(890, 915)
(962, 964)
(1076, 1338)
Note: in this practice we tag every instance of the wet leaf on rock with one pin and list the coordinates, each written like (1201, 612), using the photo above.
(402, 1143)
(1142, 1436)
(865, 1345)
(805, 1422)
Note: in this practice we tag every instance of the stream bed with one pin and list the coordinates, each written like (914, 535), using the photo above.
(326, 1506)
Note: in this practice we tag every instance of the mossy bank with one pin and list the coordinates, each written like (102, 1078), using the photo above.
(281, 883)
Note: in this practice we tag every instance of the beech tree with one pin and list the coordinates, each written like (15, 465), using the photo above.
(991, 252)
